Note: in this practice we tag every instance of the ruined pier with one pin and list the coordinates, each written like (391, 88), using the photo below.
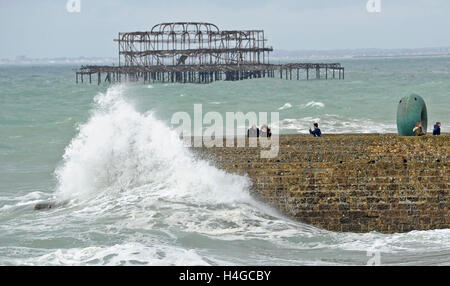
(188, 52)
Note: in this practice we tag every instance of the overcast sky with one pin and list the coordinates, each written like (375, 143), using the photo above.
(45, 28)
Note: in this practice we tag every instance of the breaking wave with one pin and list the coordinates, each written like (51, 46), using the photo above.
(120, 149)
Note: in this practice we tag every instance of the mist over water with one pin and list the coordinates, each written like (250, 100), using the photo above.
(136, 196)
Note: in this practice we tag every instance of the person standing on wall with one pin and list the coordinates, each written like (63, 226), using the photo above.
(418, 129)
(253, 132)
(316, 132)
(265, 131)
(437, 129)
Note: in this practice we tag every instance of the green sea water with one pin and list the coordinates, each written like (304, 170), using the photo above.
(137, 196)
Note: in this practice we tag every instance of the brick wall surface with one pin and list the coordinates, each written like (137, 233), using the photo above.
(349, 182)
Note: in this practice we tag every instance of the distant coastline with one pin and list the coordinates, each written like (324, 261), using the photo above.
(24, 60)
(360, 53)
(403, 56)
(278, 55)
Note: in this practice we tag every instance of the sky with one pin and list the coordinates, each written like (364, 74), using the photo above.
(45, 28)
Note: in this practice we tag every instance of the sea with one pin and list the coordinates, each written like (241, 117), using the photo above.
(133, 194)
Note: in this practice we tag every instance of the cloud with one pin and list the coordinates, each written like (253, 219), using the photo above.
(44, 28)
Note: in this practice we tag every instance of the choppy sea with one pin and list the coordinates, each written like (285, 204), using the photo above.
(137, 196)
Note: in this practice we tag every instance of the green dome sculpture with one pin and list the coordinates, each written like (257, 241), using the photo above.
(411, 109)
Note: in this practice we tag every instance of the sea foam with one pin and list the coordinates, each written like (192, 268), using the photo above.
(313, 104)
(285, 106)
(119, 149)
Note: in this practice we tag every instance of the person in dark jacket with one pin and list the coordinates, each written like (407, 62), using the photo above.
(316, 132)
(437, 129)
(253, 132)
(265, 131)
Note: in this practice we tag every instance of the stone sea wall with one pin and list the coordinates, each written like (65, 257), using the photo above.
(350, 182)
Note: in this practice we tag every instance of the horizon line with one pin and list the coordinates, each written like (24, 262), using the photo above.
(274, 51)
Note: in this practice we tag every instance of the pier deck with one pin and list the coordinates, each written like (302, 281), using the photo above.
(210, 73)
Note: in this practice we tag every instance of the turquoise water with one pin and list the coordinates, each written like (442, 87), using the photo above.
(137, 196)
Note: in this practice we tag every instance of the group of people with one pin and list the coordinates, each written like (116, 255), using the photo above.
(266, 132)
(256, 132)
(418, 131)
